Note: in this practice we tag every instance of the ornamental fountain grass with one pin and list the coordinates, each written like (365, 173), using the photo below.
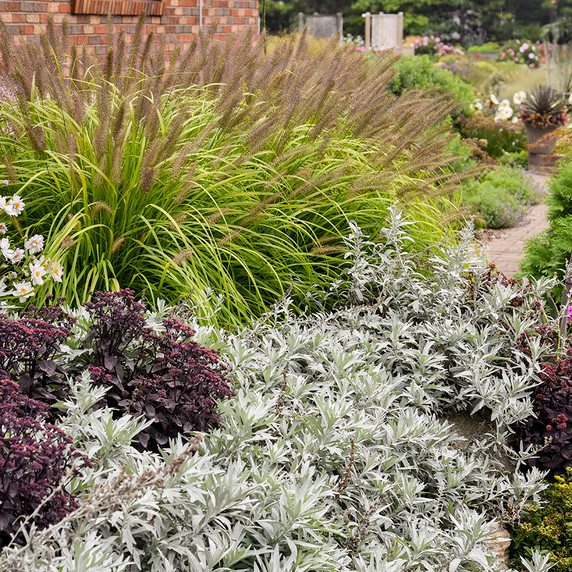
(229, 170)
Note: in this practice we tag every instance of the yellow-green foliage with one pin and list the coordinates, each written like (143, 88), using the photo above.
(234, 170)
(547, 526)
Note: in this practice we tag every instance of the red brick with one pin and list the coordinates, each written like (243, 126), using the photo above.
(26, 30)
(78, 40)
(178, 23)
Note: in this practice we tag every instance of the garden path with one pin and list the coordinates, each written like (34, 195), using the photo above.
(505, 247)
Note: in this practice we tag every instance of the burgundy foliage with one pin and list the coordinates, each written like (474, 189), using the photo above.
(34, 456)
(166, 377)
(28, 347)
(551, 430)
(163, 376)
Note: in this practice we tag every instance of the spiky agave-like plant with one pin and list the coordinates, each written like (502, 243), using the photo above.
(544, 107)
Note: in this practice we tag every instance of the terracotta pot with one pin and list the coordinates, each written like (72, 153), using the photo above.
(538, 144)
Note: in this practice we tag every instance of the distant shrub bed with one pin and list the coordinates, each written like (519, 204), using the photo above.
(500, 138)
(501, 197)
(419, 72)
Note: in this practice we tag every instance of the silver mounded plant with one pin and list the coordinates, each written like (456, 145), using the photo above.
(334, 453)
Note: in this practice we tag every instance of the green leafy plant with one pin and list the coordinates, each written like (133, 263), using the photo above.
(419, 72)
(488, 48)
(497, 137)
(545, 526)
(501, 197)
(232, 170)
(547, 253)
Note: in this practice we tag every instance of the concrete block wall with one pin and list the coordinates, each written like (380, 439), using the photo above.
(178, 20)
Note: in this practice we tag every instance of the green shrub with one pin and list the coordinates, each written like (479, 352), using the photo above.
(524, 53)
(499, 136)
(419, 72)
(547, 526)
(489, 47)
(501, 197)
(547, 253)
(231, 170)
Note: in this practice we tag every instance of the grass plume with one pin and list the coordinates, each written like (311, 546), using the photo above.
(240, 157)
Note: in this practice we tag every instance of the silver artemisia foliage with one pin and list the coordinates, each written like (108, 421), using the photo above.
(335, 454)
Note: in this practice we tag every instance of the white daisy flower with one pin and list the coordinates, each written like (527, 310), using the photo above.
(37, 271)
(15, 206)
(57, 271)
(34, 244)
(23, 290)
(17, 255)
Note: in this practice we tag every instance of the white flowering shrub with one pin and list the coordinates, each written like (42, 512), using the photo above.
(336, 453)
(22, 269)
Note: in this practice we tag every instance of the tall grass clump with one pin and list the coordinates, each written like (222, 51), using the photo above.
(225, 169)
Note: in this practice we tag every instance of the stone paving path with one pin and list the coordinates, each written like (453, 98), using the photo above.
(505, 247)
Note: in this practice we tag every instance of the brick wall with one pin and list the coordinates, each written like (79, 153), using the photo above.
(87, 19)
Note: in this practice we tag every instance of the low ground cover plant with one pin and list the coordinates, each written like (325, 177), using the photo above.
(35, 457)
(160, 375)
(546, 526)
(488, 48)
(549, 431)
(501, 197)
(339, 450)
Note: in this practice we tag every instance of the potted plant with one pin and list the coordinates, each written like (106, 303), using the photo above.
(542, 112)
